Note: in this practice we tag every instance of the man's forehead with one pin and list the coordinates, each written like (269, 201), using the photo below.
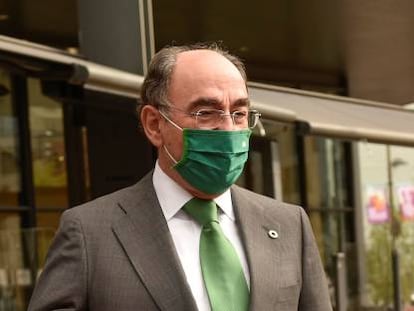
(205, 74)
(203, 59)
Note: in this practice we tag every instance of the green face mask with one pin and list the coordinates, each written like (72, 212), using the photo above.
(212, 160)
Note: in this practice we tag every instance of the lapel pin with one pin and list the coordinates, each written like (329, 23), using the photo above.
(273, 234)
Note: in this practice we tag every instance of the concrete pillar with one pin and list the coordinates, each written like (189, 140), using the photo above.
(117, 33)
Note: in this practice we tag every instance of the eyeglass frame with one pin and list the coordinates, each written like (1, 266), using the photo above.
(196, 114)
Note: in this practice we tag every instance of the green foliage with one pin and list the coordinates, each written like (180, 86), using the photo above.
(379, 265)
(378, 259)
(405, 245)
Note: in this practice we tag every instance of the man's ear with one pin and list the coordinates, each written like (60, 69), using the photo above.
(150, 120)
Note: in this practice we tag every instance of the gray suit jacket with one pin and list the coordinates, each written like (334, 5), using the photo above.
(116, 254)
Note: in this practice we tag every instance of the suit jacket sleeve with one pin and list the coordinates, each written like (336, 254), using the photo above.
(314, 294)
(63, 283)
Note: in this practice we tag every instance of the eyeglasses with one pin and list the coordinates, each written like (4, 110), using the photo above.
(209, 118)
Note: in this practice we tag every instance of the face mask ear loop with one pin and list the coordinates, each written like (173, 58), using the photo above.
(178, 127)
(169, 120)
(169, 154)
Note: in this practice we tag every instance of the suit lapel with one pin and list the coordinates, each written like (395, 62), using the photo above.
(262, 251)
(145, 237)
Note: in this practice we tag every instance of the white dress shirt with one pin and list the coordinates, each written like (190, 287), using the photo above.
(186, 232)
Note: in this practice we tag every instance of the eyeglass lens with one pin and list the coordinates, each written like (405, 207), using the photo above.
(213, 118)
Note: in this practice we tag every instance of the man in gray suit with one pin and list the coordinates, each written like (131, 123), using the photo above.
(146, 248)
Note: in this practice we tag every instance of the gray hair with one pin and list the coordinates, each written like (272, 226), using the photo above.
(154, 90)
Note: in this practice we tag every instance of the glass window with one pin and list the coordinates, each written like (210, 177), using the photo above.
(289, 162)
(22, 256)
(23, 250)
(9, 171)
(329, 201)
(48, 155)
(383, 168)
(272, 166)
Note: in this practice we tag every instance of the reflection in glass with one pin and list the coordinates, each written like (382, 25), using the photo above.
(21, 261)
(22, 250)
(9, 172)
(375, 215)
(48, 153)
(272, 166)
(330, 206)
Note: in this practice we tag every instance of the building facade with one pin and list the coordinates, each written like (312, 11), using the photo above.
(69, 132)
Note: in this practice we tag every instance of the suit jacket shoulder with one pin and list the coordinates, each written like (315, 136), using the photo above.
(277, 210)
(285, 267)
(108, 206)
(114, 253)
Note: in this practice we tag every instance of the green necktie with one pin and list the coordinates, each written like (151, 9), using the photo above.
(222, 272)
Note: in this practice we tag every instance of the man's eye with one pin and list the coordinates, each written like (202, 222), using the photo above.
(240, 114)
(205, 113)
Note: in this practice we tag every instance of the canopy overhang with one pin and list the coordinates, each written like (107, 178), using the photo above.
(336, 116)
(313, 113)
(39, 59)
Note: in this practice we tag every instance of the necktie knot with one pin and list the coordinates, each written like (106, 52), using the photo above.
(203, 211)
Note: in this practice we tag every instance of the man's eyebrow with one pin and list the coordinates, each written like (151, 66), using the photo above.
(211, 101)
(203, 102)
(242, 102)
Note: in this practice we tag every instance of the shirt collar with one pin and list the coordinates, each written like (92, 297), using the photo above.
(172, 196)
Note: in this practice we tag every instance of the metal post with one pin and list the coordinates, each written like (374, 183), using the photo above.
(394, 232)
(21, 112)
(396, 278)
(341, 296)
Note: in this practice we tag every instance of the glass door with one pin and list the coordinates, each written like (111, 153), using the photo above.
(386, 224)
(33, 188)
(11, 213)
(329, 197)
(271, 169)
